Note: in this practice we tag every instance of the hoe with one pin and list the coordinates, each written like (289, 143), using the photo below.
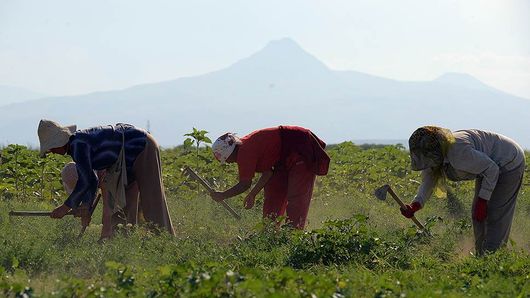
(193, 175)
(381, 192)
(48, 213)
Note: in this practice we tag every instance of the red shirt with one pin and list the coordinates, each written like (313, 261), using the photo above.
(259, 152)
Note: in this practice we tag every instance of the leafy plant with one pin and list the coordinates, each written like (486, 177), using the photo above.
(23, 175)
(196, 137)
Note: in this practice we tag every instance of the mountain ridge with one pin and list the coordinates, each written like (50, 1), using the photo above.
(12, 94)
(282, 84)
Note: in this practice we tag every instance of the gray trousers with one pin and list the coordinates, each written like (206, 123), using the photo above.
(493, 232)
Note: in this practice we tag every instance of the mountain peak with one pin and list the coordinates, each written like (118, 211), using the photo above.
(280, 55)
(283, 44)
(461, 80)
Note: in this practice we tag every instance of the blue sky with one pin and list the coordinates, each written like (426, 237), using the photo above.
(69, 47)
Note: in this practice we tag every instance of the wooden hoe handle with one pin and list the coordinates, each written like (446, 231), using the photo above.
(192, 174)
(34, 213)
(402, 205)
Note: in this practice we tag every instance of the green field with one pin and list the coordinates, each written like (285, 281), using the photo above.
(354, 245)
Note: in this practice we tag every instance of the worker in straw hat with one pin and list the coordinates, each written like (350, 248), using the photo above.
(288, 158)
(126, 153)
(496, 163)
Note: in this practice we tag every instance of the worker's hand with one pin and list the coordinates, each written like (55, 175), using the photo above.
(218, 196)
(250, 199)
(480, 210)
(83, 212)
(410, 209)
(60, 211)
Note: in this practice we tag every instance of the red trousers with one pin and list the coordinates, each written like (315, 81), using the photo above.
(290, 190)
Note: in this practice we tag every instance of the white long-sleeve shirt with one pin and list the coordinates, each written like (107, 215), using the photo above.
(474, 154)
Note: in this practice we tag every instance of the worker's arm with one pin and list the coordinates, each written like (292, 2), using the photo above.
(251, 197)
(428, 182)
(87, 182)
(476, 162)
(235, 190)
(85, 189)
(427, 186)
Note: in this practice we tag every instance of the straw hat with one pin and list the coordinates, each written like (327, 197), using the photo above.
(52, 135)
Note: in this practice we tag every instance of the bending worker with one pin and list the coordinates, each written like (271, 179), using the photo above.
(126, 153)
(130, 214)
(496, 163)
(289, 158)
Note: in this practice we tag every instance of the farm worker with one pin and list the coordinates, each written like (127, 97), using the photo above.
(130, 214)
(126, 153)
(289, 158)
(496, 163)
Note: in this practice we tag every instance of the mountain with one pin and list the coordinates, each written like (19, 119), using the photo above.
(283, 84)
(9, 94)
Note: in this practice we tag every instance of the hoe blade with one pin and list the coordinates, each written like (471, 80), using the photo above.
(381, 192)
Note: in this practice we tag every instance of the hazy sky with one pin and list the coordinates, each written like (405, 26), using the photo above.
(71, 47)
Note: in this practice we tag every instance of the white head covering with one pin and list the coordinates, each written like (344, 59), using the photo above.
(69, 177)
(224, 146)
(52, 135)
(428, 145)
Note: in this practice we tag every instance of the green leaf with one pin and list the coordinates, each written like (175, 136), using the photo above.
(188, 142)
(14, 263)
(207, 140)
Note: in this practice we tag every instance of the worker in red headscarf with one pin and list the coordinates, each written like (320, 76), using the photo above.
(288, 157)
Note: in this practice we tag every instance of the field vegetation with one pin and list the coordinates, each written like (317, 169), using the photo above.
(354, 245)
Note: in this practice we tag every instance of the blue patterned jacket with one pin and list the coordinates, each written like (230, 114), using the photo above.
(97, 148)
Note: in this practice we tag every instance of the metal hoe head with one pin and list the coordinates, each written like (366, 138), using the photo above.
(381, 192)
(187, 172)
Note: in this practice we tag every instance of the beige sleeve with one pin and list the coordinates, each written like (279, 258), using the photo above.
(426, 187)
